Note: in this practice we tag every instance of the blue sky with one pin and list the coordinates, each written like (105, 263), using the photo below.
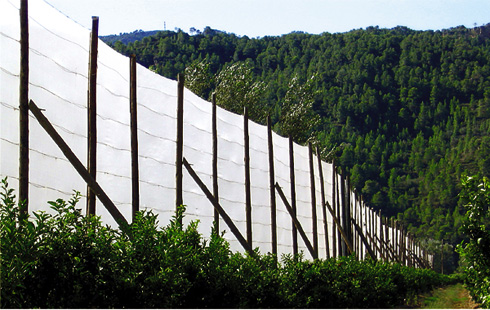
(258, 18)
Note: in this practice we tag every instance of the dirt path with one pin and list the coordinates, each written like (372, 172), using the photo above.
(450, 297)
(466, 301)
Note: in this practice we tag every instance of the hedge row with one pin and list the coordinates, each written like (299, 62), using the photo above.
(475, 250)
(67, 260)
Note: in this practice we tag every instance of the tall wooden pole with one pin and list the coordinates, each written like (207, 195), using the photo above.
(397, 241)
(92, 114)
(248, 195)
(134, 138)
(180, 140)
(442, 256)
(395, 238)
(348, 198)
(272, 186)
(387, 233)
(215, 161)
(345, 211)
(324, 208)
(381, 234)
(334, 204)
(403, 244)
(354, 231)
(368, 226)
(361, 225)
(341, 244)
(293, 193)
(313, 199)
(24, 110)
(373, 232)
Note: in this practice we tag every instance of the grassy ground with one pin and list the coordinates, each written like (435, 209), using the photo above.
(450, 297)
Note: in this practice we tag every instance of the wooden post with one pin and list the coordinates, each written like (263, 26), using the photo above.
(180, 141)
(406, 246)
(414, 250)
(365, 241)
(377, 232)
(218, 207)
(334, 204)
(313, 199)
(293, 193)
(92, 113)
(390, 255)
(215, 161)
(343, 206)
(366, 222)
(373, 232)
(340, 243)
(395, 239)
(296, 222)
(271, 186)
(324, 208)
(361, 225)
(72, 158)
(359, 222)
(442, 256)
(339, 227)
(348, 209)
(24, 110)
(416, 258)
(409, 250)
(134, 138)
(248, 195)
(380, 246)
(420, 253)
(397, 242)
(402, 249)
(402, 243)
(387, 233)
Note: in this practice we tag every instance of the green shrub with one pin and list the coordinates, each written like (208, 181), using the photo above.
(67, 260)
(475, 252)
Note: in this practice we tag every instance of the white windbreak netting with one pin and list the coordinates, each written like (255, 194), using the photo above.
(59, 54)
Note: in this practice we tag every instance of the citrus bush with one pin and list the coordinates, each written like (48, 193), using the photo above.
(67, 260)
(475, 251)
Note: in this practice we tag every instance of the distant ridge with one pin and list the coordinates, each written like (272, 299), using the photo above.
(126, 38)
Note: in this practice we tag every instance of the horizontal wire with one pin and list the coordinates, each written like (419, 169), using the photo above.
(3, 34)
(8, 72)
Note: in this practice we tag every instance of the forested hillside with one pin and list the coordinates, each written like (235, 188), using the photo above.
(126, 38)
(405, 113)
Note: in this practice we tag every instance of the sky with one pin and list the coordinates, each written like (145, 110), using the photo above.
(259, 18)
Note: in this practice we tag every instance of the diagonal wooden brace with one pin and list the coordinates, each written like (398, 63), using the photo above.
(339, 227)
(218, 207)
(296, 222)
(72, 158)
(364, 240)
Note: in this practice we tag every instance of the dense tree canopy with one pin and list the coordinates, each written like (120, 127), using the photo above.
(407, 111)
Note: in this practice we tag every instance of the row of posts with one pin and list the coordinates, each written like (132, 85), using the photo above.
(352, 230)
